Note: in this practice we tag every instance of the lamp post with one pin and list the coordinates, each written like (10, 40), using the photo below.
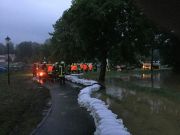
(151, 47)
(152, 59)
(7, 44)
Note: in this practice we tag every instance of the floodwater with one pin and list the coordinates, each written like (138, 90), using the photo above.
(144, 113)
(160, 80)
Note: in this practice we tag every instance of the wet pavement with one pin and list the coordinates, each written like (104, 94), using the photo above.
(66, 117)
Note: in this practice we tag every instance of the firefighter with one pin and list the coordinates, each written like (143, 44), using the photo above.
(95, 67)
(61, 72)
(85, 67)
(68, 69)
(90, 67)
(78, 68)
(75, 68)
(55, 71)
(49, 71)
(81, 66)
(44, 66)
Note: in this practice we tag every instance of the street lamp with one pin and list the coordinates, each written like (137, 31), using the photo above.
(7, 44)
(152, 59)
(151, 47)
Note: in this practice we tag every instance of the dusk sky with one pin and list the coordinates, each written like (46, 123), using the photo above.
(29, 20)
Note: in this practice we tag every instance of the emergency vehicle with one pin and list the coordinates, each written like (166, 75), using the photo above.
(41, 72)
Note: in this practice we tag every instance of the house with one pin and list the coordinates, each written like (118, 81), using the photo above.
(147, 65)
(3, 58)
(12, 57)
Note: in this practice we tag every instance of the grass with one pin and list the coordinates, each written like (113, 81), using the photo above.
(21, 104)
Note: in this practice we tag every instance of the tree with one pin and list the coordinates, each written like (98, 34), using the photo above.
(66, 41)
(106, 26)
(169, 51)
(102, 29)
(46, 50)
(11, 48)
(175, 53)
(2, 49)
(28, 52)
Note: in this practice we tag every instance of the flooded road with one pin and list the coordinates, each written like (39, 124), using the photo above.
(160, 80)
(144, 112)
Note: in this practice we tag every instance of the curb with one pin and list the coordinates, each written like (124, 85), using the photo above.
(43, 120)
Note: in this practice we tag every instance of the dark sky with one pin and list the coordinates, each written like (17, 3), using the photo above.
(29, 20)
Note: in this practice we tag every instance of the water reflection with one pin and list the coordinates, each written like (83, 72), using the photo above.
(148, 76)
(143, 113)
(119, 93)
(156, 80)
(154, 104)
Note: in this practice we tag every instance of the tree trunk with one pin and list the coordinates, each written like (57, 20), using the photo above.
(103, 70)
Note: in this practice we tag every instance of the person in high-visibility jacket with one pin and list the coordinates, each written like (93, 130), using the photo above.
(55, 71)
(78, 68)
(50, 71)
(61, 74)
(95, 67)
(85, 67)
(75, 68)
(90, 67)
(81, 67)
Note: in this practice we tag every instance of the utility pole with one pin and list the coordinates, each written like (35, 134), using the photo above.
(152, 59)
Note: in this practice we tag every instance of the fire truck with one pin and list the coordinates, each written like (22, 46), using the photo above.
(41, 72)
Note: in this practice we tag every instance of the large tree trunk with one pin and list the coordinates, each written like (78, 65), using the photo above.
(103, 70)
